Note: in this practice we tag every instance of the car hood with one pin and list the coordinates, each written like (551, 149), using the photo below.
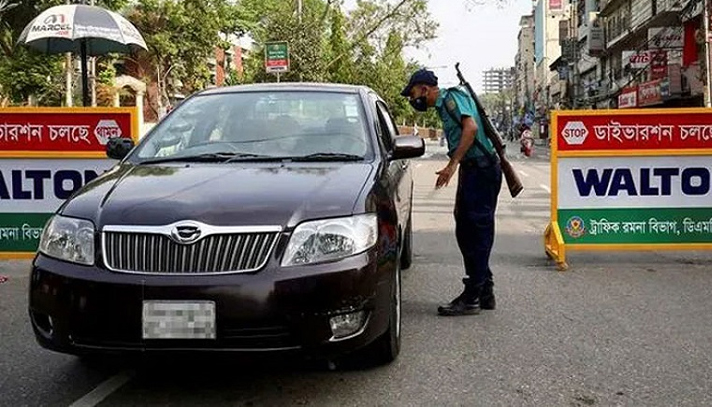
(221, 194)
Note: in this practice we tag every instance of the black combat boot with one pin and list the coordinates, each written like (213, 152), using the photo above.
(467, 303)
(487, 300)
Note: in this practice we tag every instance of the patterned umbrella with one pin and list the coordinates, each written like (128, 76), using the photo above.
(87, 30)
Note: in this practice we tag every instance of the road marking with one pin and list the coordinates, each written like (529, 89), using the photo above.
(103, 390)
(545, 188)
(524, 174)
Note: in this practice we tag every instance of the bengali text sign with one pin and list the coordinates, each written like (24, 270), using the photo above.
(634, 131)
(64, 131)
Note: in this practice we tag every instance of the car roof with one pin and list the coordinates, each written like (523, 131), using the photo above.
(288, 86)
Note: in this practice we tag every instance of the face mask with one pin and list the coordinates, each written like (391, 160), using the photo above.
(420, 103)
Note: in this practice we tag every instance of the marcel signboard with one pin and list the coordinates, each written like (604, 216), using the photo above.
(47, 154)
(630, 180)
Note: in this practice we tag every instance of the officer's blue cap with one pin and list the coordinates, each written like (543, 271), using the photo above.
(420, 77)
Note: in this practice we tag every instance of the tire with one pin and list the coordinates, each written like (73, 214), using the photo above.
(406, 258)
(386, 348)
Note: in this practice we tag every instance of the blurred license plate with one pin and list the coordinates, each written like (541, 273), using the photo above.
(178, 320)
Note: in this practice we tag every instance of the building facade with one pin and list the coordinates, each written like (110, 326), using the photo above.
(634, 53)
(524, 65)
(498, 80)
(547, 49)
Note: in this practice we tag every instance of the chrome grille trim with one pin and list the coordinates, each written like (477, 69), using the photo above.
(220, 249)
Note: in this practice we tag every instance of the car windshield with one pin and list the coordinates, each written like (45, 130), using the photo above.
(260, 125)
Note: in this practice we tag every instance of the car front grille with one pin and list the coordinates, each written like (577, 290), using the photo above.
(158, 253)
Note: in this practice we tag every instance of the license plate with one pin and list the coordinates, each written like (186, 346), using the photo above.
(178, 320)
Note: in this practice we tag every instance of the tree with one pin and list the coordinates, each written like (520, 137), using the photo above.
(25, 72)
(181, 35)
(305, 34)
(343, 70)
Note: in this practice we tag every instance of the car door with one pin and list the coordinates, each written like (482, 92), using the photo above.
(399, 170)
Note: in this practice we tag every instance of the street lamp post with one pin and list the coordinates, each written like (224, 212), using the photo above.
(708, 76)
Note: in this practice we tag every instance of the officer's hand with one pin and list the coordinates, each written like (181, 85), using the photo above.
(444, 176)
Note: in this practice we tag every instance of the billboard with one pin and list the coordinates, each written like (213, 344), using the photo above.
(630, 180)
(73, 132)
(47, 154)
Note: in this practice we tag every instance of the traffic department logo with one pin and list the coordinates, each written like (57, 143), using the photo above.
(575, 227)
(574, 133)
(105, 130)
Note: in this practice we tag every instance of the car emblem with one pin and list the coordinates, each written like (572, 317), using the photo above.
(186, 233)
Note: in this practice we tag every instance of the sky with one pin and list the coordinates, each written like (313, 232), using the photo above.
(478, 36)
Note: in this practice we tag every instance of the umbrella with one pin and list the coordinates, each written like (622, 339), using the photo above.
(87, 30)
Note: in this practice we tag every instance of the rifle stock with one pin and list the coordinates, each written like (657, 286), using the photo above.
(513, 182)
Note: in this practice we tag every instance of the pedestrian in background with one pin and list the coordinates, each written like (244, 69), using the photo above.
(472, 155)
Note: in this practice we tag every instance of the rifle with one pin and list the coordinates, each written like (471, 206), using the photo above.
(513, 181)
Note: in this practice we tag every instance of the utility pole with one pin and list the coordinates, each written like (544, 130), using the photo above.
(92, 73)
(68, 72)
(708, 62)
(299, 10)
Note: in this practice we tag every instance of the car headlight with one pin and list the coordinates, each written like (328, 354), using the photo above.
(68, 239)
(331, 239)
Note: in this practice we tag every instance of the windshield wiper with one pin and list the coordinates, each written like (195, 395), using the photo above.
(204, 157)
(328, 157)
(255, 158)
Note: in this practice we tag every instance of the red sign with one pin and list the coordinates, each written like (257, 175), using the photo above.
(635, 130)
(63, 130)
(628, 98)
(277, 62)
(658, 65)
(556, 4)
(650, 93)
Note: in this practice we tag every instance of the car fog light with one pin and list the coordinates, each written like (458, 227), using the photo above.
(347, 324)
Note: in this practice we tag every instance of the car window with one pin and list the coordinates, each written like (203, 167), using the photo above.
(390, 130)
(276, 123)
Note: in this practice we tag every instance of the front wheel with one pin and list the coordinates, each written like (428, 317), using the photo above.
(387, 347)
(406, 258)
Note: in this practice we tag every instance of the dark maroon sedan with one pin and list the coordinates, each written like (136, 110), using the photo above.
(253, 218)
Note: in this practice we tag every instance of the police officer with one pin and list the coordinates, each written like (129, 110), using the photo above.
(478, 185)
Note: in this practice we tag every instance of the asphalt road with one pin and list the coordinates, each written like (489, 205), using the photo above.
(630, 329)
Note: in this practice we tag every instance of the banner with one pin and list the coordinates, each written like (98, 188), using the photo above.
(650, 93)
(630, 180)
(47, 154)
(73, 132)
(628, 98)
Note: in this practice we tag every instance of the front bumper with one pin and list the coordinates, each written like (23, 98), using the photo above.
(75, 309)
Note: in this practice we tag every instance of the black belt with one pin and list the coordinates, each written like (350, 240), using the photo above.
(479, 162)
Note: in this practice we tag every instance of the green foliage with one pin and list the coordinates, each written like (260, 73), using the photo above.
(182, 34)
(364, 47)
(29, 73)
(25, 73)
(343, 69)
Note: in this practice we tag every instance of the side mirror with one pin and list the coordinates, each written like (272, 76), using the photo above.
(407, 147)
(119, 147)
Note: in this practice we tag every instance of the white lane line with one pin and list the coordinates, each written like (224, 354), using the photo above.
(103, 390)
(545, 188)
(524, 174)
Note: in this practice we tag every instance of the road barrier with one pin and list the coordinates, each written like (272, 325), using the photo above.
(46, 154)
(630, 180)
